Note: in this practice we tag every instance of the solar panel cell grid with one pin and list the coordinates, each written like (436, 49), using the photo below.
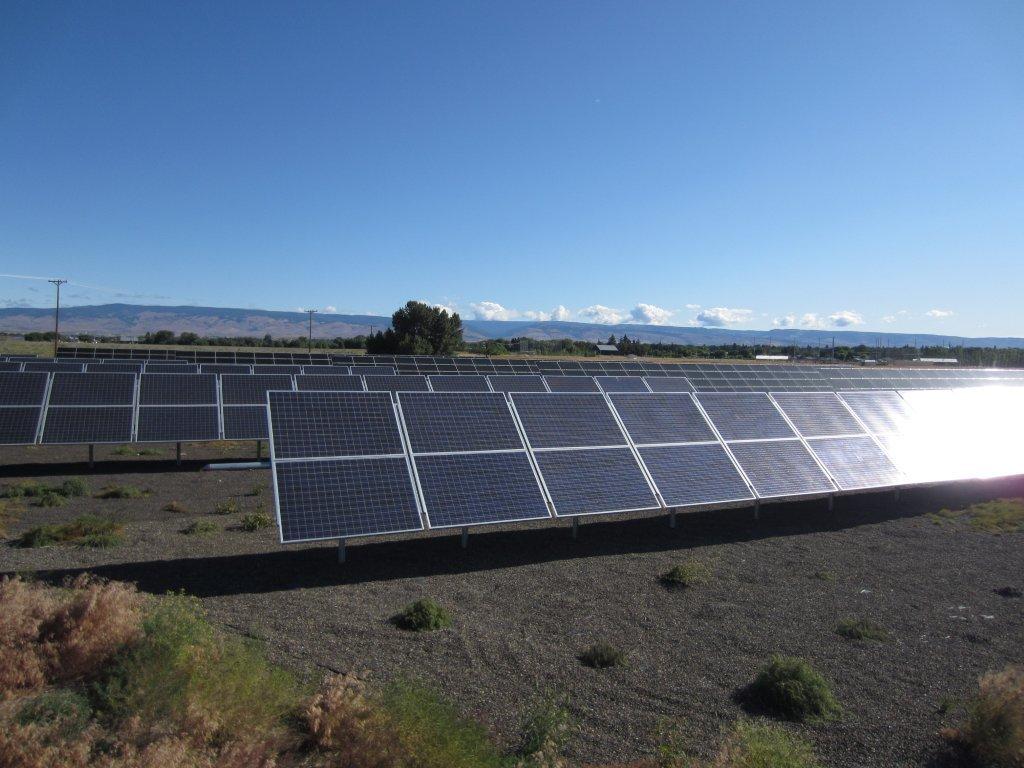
(595, 481)
(449, 421)
(251, 389)
(18, 424)
(817, 414)
(459, 383)
(314, 382)
(22, 388)
(245, 422)
(669, 384)
(744, 416)
(177, 423)
(92, 389)
(571, 384)
(520, 383)
(89, 424)
(178, 389)
(689, 475)
(856, 462)
(315, 424)
(567, 420)
(662, 418)
(397, 383)
(622, 383)
(373, 370)
(781, 468)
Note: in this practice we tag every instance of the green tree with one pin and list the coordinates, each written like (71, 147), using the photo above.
(418, 329)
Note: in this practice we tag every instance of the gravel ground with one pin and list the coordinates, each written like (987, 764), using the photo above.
(527, 599)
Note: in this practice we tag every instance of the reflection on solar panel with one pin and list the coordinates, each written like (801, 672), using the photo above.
(459, 383)
(178, 389)
(177, 423)
(18, 424)
(396, 383)
(567, 420)
(571, 384)
(514, 383)
(333, 424)
(88, 424)
(880, 411)
(781, 468)
(454, 421)
(856, 462)
(621, 383)
(251, 389)
(373, 370)
(319, 381)
(245, 422)
(694, 474)
(668, 383)
(22, 388)
(744, 415)
(817, 414)
(594, 481)
(92, 389)
(662, 418)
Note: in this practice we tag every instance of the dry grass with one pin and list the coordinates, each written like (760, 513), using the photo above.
(995, 516)
(994, 730)
(341, 718)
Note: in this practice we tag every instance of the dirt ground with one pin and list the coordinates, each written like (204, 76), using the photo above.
(527, 599)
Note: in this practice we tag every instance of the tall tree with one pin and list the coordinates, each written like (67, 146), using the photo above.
(419, 329)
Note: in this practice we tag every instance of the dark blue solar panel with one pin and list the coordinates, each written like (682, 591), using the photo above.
(475, 488)
(332, 382)
(326, 370)
(567, 420)
(668, 383)
(514, 383)
(406, 383)
(88, 424)
(694, 474)
(178, 389)
(51, 366)
(571, 383)
(245, 422)
(597, 480)
(172, 368)
(18, 424)
(330, 499)
(277, 369)
(459, 383)
(9, 367)
(665, 417)
(779, 468)
(251, 389)
(856, 462)
(311, 424)
(622, 383)
(92, 389)
(816, 414)
(114, 367)
(236, 368)
(744, 415)
(373, 370)
(22, 388)
(458, 421)
(178, 423)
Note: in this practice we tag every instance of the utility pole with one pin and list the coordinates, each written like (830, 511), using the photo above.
(56, 317)
(309, 345)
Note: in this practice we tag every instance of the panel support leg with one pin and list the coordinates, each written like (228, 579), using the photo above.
(259, 450)
(575, 528)
(831, 503)
(464, 539)
(341, 550)
(177, 454)
(672, 519)
(896, 495)
(92, 462)
(757, 510)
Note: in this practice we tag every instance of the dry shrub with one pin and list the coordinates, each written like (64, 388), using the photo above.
(23, 610)
(44, 745)
(994, 731)
(341, 719)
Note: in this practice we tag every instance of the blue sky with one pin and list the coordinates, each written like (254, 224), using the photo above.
(819, 164)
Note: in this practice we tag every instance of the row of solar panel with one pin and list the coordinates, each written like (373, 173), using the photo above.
(352, 464)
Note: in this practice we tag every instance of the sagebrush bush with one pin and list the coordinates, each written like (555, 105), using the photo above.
(121, 492)
(746, 744)
(229, 507)
(69, 708)
(256, 521)
(200, 528)
(424, 615)
(74, 487)
(602, 655)
(546, 730)
(688, 574)
(994, 729)
(175, 506)
(84, 530)
(862, 629)
(341, 718)
(790, 687)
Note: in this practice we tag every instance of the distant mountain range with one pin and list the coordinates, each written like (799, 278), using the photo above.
(135, 320)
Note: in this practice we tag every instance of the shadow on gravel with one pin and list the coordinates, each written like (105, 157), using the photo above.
(490, 549)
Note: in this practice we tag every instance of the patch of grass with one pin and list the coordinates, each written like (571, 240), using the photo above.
(424, 615)
(46, 495)
(84, 530)
(996, 516)
(602, 655)
(226, 508)
(130, 450)
(994, 729)
(545, 732)
(747, 744)
(824, 575)
(175, 506)
(256, 490)
(434, 732)
(24, 489)
(200, 528)
(256, 521)
(51, 499)
(862, 629)
(790, 687)
(67, 711)
(10, 510)
(122, 492)
(74, 487)
(689, 574)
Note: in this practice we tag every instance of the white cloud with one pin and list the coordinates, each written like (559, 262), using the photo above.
(449, 308)
(811, 320)
(693, 307)
(330, 310)
(560, 313)
(536, 314)
(845, 317)
(786, 321)
(598, 313)
(650, 314)
(718, 317)
(902, 314)
(939, 314)
(492, 310)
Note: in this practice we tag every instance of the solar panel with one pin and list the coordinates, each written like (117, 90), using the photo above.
(178, 389)
(662, 418)
(245, 422)
(781, 468)
(459, 383)
(594, 481)
(9, 367)
(277, 369)
(373, 370)
(178, 423)
(817, 414)
(517, 383)
(92, 389)
(172, 368)
(332, 382)
(688, 475)
(567, 420)
(856, 462)
(53, 366)
(330, 499)
(88, 424)
(571, 383)
(397, 383)
(229, 368)
(621, 383)
(744, 415)
(22, 388)
(880, 411)
(476, 488)
(251, 389)
(458, 421)
(18, 424)
(668, 383)
(326, 370)
(114, 367)
(333, 424)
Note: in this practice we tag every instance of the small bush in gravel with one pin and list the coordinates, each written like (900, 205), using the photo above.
(51, 499)
(175, 506)
(1008, 592)
(24, 489)
(341, 718)
(121, 492)
(424, 615)
(200, 528)
(862, 629)
(689, 574)
(256, 490)
(74, 487)
(994, 730)
(256, 521)
(790, 687)
(226, 508)
(602, 655)
(546, 730)
(85, 530)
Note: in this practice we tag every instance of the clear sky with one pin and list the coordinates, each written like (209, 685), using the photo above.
(818, 164)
